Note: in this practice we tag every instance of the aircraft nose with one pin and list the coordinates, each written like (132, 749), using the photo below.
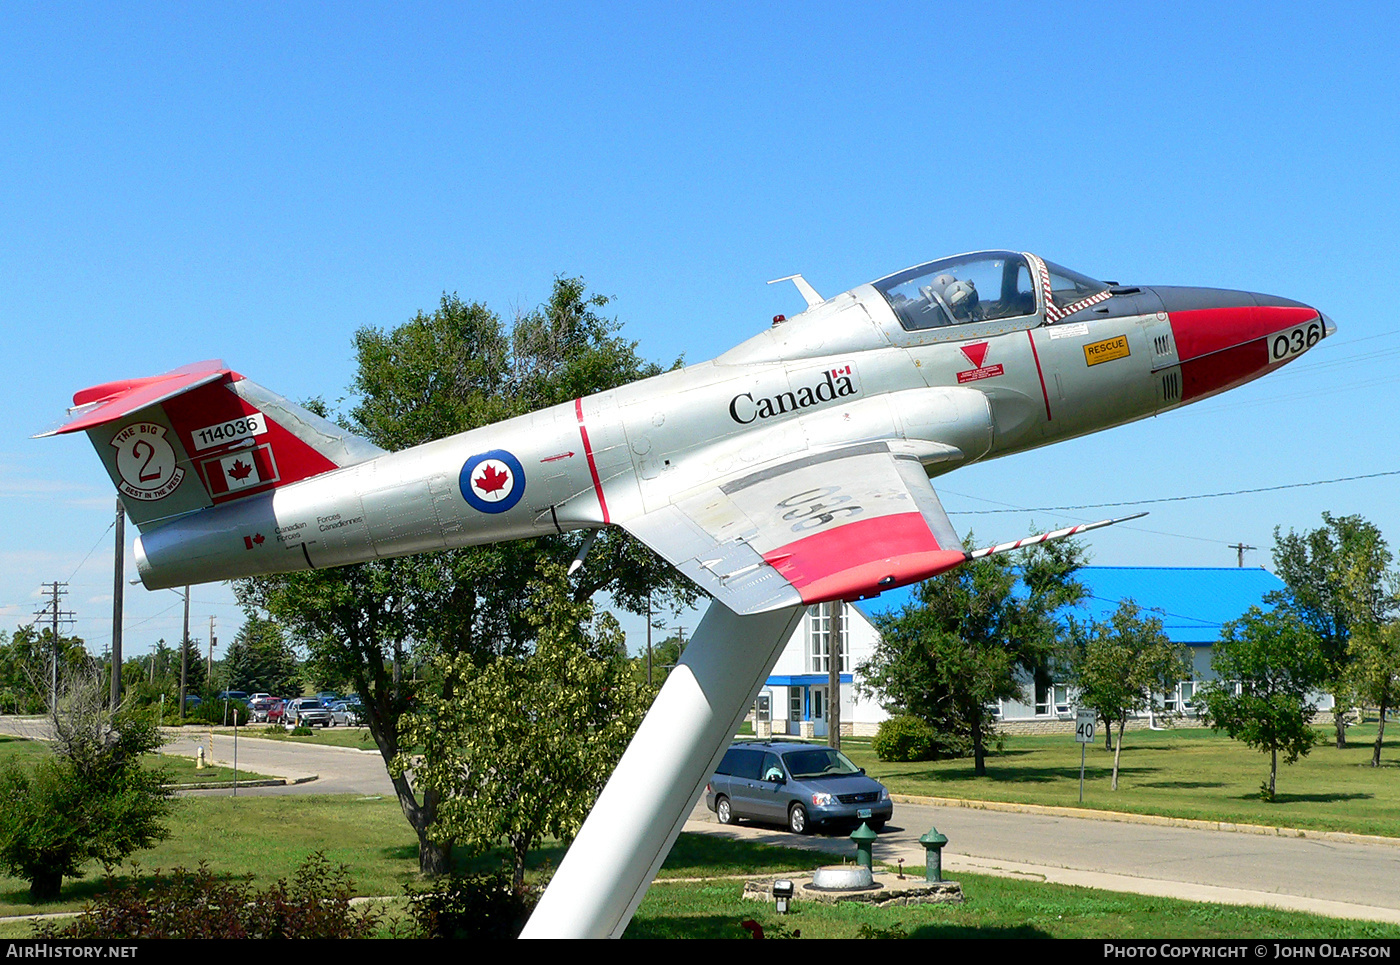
(1226, 338)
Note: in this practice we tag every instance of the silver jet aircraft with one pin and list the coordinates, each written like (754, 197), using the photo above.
(792, 469)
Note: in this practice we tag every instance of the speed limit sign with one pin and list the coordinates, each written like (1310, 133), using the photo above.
(1084, 726)
(1084, 721)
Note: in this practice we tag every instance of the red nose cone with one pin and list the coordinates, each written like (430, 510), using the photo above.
(1226, 338)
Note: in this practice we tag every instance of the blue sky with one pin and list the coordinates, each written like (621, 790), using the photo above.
(255, 182)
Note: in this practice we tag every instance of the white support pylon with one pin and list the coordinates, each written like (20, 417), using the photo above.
(636, 819)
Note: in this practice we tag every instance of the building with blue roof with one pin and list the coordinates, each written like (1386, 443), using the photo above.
(1193, 604)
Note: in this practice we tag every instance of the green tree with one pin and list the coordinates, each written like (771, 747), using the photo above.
(1373, 673)
(436, 375)
(1125, 662)
(1268, 666)
(92, 800)
(26, 666)
(524, 745)
(1338, 582)
(970, 638)
(260, 659)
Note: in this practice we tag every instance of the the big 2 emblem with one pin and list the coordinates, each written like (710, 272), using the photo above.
(146, 462)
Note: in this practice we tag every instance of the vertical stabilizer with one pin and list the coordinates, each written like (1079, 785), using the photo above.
(201, 436)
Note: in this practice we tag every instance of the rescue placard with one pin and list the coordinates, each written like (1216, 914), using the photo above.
(1107, 350)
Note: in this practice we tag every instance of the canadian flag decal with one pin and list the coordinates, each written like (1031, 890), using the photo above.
(243, 469)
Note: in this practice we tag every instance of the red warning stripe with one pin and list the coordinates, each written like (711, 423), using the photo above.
(592, 466)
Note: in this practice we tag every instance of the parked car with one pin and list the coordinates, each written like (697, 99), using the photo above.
(277, 711)
(307, 712)
(259, 705)
(803, 786)
(345, 714)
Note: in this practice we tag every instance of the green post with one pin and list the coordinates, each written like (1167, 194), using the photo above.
(933, 843)
(864, 839)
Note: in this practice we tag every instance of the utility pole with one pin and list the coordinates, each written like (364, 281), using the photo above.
(1241, 547)
(833, 676)
(209, 664)
(185, 654)
(57, 615)
(118, 588)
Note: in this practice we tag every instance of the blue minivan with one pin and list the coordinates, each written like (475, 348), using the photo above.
(803, 786)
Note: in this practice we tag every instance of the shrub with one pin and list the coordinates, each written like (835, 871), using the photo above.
(906, 738)
(92, 800)
(198, 904)
(214, 712)
(481, 905)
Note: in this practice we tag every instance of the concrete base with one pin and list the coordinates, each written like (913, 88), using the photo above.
(890, 891)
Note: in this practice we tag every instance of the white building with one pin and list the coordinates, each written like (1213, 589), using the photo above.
(794, 699)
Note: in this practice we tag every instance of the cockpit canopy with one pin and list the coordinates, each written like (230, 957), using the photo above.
(980, 287)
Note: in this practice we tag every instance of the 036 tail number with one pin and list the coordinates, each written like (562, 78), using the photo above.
(1285, 345)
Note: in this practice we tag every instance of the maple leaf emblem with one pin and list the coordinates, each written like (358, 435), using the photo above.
(239, 470)
(259, 539)
(491, 481)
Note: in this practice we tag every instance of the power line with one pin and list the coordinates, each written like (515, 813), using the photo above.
(1181, 499)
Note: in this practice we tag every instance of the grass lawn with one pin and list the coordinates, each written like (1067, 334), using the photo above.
(268, 837)
(355, 737)
(995, 908)
(1189, 773)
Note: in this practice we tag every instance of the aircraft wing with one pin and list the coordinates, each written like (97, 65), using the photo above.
(840, 524)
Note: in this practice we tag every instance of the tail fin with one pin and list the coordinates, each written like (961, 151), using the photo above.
(202, 435)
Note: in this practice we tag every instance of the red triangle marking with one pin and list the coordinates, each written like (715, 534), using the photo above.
(976, 353)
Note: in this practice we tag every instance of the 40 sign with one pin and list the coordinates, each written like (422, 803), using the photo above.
(1084, 722)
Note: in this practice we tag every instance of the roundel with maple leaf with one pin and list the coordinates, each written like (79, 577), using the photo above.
(492, 482)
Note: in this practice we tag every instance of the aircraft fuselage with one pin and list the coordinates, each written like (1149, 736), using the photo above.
(849, 370)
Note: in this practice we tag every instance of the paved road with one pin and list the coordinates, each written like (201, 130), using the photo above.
(1343, 878)
(1339, 878)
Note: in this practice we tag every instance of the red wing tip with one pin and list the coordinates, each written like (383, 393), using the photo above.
(869, 579)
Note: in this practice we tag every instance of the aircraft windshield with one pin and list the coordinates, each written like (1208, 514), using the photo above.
(1068, 287)
(956, 291)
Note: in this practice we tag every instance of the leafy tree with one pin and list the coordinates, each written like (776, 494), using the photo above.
(1277, 663)
(1373, 673)
(970, 638)
(1124, 663)
(436, 375)
(93, 799)
(665, 654)
(523, 747)
(26, 666)
(1338, 581)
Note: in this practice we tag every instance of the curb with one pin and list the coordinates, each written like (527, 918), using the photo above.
(267, 782)
(1123, 817)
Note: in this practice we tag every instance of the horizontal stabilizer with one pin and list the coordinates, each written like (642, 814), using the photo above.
(115, 400)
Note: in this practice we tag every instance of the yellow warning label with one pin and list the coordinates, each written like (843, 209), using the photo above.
(1107, 350)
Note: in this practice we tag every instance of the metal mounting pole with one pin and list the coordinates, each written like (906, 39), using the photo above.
(636, 819)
